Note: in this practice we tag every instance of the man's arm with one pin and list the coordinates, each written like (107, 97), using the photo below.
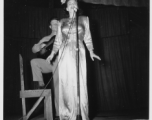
(38, 46)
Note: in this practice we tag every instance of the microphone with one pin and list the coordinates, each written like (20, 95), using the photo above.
(75, 8)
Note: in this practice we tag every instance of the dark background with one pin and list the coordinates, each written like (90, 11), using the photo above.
(119, 83)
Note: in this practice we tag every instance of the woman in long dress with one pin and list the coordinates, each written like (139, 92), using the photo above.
(65, 43)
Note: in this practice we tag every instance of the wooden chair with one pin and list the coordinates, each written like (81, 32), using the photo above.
(46, 94)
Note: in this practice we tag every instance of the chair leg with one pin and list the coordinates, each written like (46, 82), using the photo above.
(34, 107)
(24, 108)
(48, 115)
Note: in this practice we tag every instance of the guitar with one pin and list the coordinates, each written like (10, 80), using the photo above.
(46, 48)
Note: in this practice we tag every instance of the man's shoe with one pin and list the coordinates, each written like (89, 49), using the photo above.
(36, 86)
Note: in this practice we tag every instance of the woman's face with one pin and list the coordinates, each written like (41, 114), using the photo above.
(71, 6)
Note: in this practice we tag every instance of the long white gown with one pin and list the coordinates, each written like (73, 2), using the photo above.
(66, 44)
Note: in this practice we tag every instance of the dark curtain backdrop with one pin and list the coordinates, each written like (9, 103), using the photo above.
(120, 37)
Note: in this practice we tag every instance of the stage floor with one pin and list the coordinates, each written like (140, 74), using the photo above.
(115, 115)
(40, 117)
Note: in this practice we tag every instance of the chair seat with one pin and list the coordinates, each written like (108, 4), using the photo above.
(35, 93)
(42, 93)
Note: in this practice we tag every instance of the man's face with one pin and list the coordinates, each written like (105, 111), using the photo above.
(54, 25)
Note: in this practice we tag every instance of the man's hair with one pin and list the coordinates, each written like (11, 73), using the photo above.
(52, 18)
(54, 22)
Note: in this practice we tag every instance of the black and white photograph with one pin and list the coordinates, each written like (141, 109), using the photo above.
(76, 60)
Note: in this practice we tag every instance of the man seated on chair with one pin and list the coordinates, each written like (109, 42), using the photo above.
(40, 65)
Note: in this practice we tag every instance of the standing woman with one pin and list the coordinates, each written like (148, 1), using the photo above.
(66, 42)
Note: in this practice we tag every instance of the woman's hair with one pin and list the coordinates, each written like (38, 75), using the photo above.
(70, 0)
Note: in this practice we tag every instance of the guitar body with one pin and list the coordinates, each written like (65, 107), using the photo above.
(46, 50)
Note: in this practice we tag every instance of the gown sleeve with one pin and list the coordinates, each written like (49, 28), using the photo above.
(87, 35)
(58, 40)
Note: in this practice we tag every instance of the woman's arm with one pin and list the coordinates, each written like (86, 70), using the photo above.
(88, 39)
(57, 43)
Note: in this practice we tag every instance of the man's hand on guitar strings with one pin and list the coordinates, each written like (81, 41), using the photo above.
(43, 45)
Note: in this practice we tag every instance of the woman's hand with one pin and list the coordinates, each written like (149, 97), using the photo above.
(50, 57)
(92, 55)
(59, 24)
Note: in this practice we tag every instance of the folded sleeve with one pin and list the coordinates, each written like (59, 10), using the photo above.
(87, 35)
(58, 40)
